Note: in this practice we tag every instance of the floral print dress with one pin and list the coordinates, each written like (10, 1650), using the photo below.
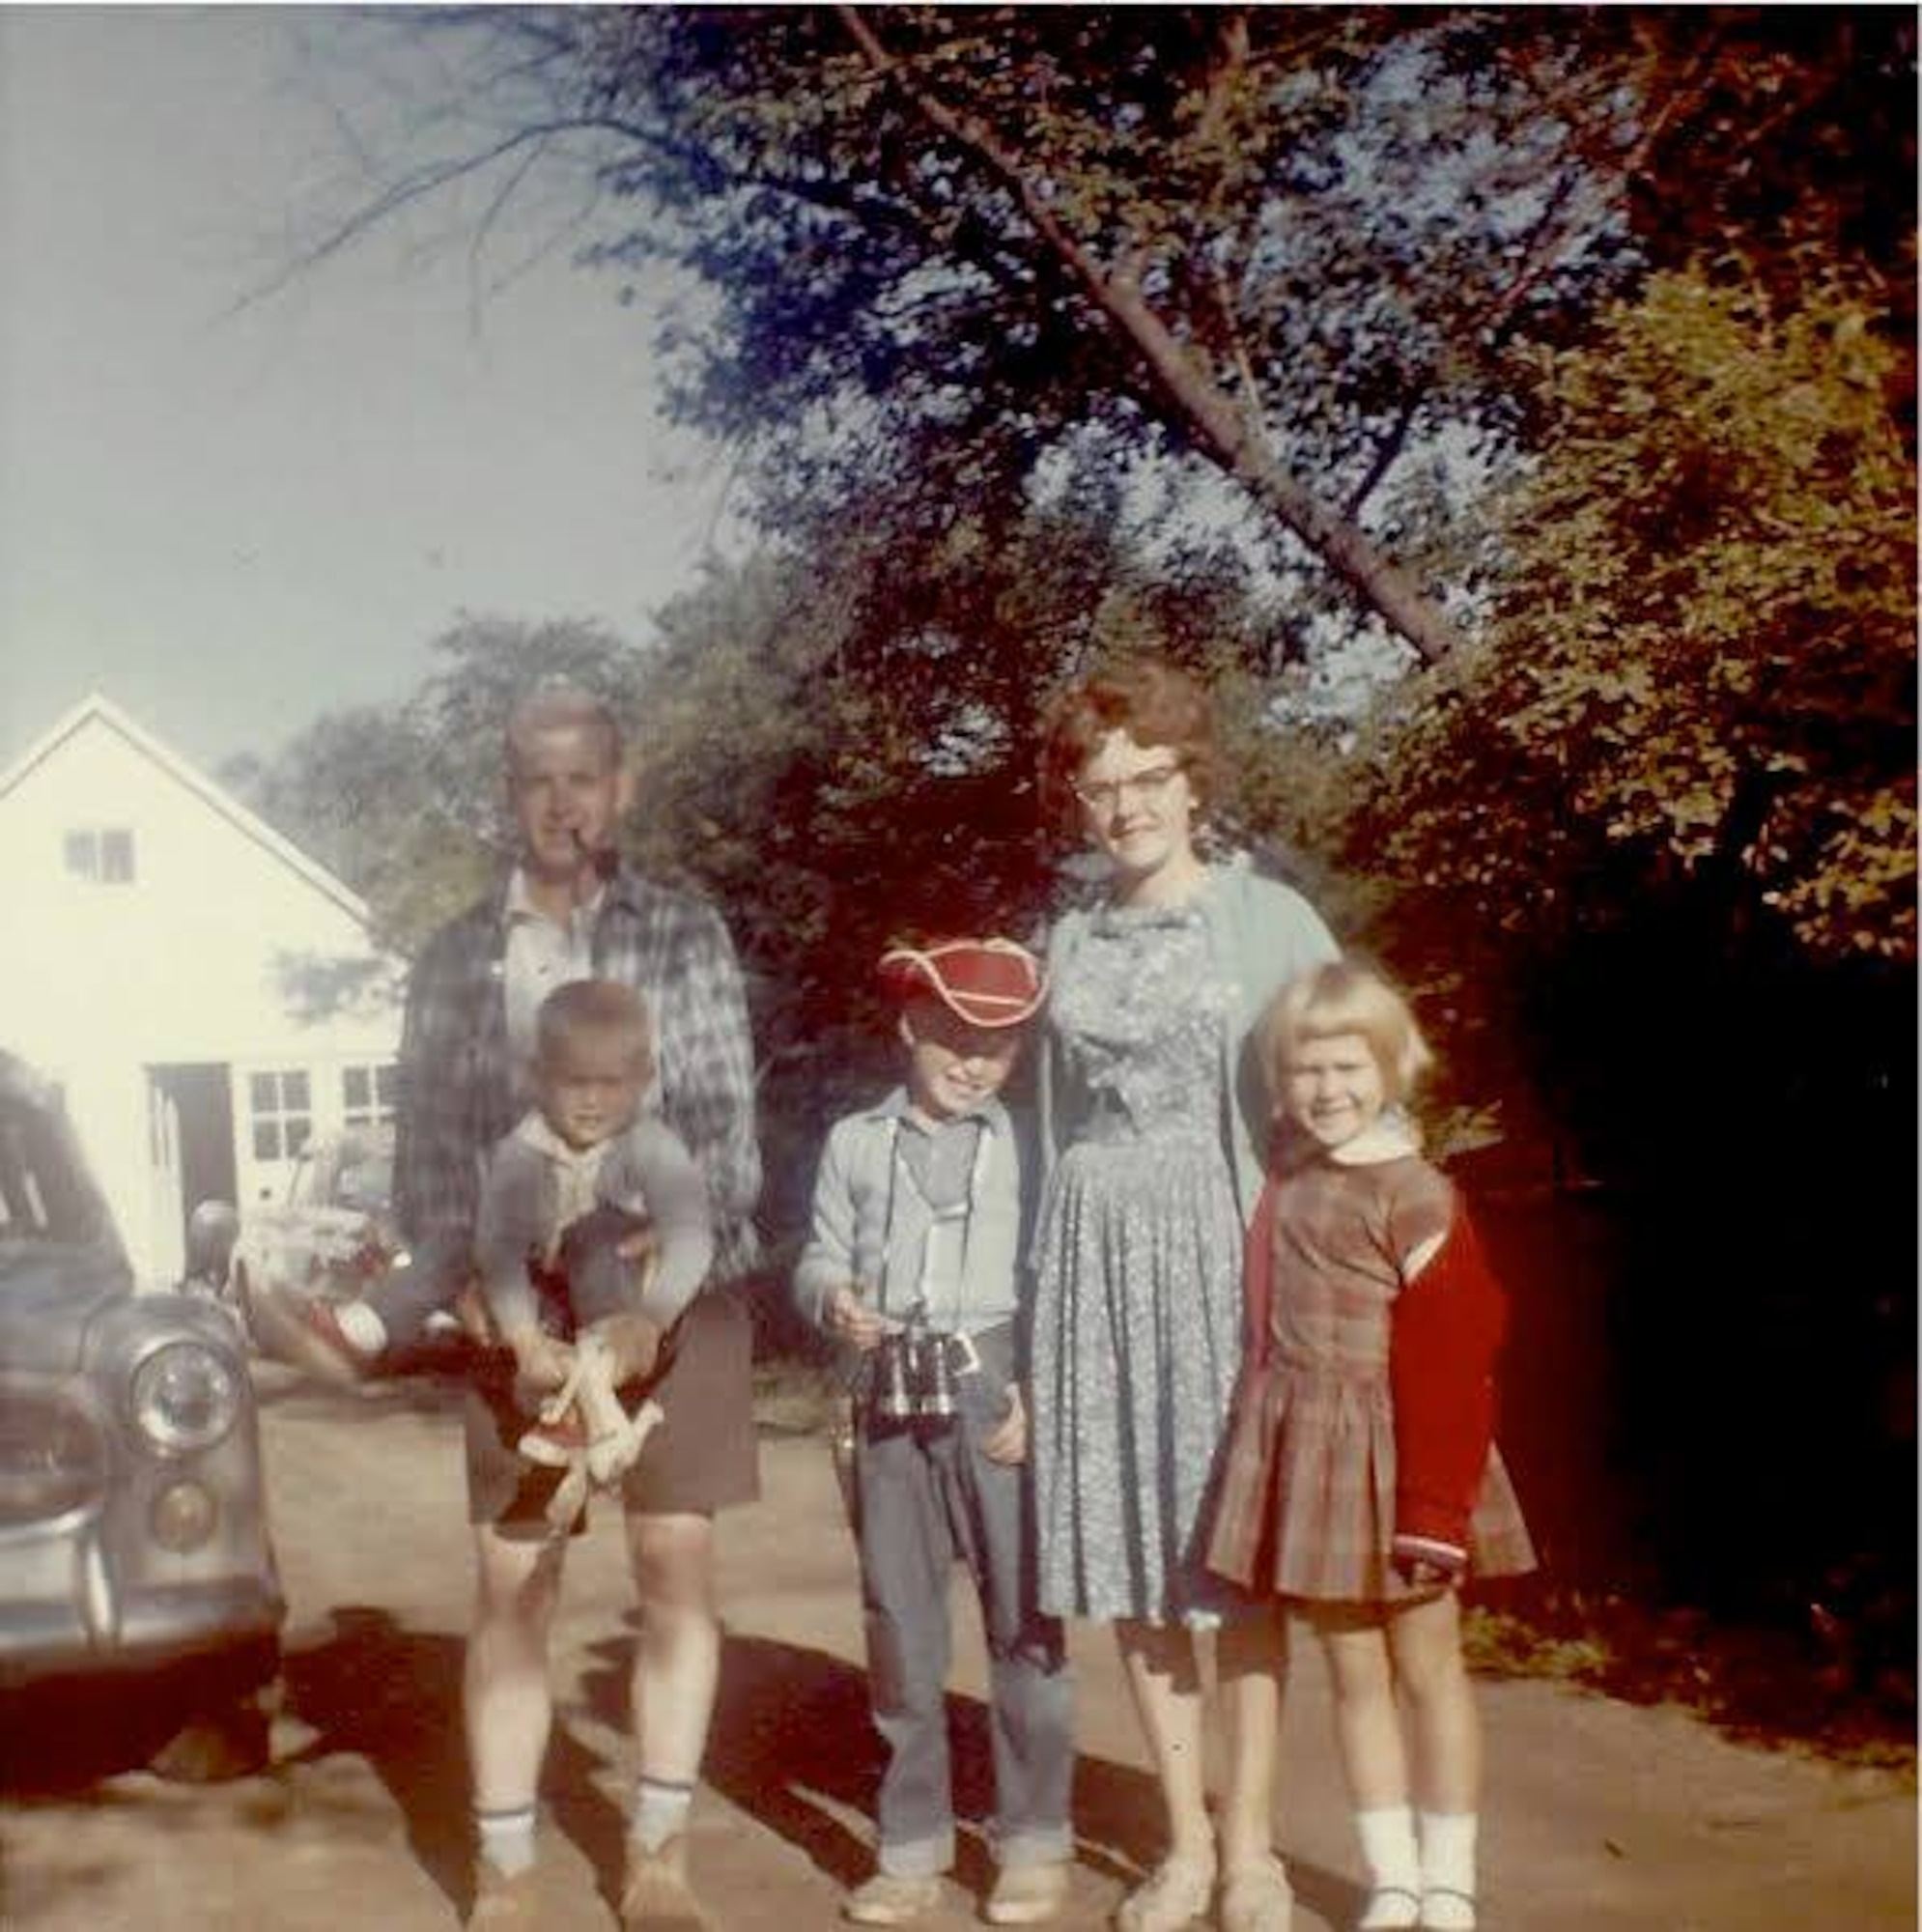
(1136, 1334)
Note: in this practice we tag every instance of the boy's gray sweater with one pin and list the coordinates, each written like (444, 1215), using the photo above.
(870, 1222)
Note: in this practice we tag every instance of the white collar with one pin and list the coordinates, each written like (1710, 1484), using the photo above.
(1391, 1138)
(534, 1130)
(520, 905)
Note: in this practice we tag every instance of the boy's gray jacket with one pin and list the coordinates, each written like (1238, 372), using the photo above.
(870, 1223)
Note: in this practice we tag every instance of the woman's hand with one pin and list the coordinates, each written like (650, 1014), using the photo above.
(849, 1318)
(1007, 1441)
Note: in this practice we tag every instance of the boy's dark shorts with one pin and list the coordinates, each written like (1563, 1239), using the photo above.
(701, 1456)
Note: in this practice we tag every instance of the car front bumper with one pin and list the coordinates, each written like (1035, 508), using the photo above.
(112, 1557)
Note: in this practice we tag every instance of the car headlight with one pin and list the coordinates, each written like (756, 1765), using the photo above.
(186, 1398)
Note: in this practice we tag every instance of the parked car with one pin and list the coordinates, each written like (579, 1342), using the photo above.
(331, 1235)
(133, 1533)
(333, 1232)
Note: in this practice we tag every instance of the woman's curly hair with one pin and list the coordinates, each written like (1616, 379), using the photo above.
(1153, 702)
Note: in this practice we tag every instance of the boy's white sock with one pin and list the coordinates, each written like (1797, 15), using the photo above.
(1448, 1870)
(660, 1810)
(506, 1839)
(1388, 1844)
(361, 1326)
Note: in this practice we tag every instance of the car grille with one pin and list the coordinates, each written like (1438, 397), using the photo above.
(53, 1458)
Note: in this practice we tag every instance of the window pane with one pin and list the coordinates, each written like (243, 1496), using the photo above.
(267, 1140)
(298, 1131)
(354, 1086)
(384, 1078)
(82, 855)
(117, 856)
(262, 1093)
(294, 1092)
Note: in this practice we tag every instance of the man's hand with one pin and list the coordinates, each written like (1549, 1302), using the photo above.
(849, 1318)
(470, 1312)
(1007, 1441)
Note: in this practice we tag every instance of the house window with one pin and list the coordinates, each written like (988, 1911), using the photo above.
(367, 1096)
(283, 1113)
(103, 854)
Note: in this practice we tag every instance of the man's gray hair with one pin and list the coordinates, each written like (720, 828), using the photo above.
(558, 705)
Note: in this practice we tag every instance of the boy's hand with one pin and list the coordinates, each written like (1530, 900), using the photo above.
(1007, 1441)
(851, 1318)
(633, 1343)
(637, 1244)
(540, 1360)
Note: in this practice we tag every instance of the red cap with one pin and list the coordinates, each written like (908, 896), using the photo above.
(989, 982)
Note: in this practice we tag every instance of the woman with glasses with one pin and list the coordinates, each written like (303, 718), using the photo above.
(1154, 1119)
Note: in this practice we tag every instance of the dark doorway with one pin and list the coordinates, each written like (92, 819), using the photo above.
(205, 1099)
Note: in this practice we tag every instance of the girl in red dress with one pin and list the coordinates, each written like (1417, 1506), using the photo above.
(1362, 1483)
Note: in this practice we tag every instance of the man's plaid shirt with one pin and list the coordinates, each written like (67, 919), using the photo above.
(458, 1090)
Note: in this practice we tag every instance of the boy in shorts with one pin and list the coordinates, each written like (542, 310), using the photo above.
(583, 1170)
(565, 907)
(914, 1262)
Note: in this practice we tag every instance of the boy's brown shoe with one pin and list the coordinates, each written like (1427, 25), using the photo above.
(657, 1896)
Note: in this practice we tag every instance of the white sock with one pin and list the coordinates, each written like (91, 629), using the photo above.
(1388, 1844)
(361, 1326)
(1448, 1870)
(506, 1839)
(660, 1810)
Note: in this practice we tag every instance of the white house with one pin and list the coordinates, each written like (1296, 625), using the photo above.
(207, 995)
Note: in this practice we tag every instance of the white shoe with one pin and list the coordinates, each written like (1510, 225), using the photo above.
(1028, 1895)
(888, 1899)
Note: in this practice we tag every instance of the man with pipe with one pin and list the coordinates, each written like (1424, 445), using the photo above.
(568, 910)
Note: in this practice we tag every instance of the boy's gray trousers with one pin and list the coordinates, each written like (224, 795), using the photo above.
(926, 1495)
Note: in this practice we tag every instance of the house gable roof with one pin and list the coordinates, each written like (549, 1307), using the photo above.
(96, 710)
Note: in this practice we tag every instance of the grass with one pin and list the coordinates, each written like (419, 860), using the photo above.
(1847, 1696)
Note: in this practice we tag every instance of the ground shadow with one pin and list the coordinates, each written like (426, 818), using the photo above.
(393, 1697)
(794, 1747)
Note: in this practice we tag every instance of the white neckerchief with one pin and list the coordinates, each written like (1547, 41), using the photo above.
(576, 1174)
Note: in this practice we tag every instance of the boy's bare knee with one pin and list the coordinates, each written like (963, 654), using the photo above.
(515, 1582)
(672, 1558)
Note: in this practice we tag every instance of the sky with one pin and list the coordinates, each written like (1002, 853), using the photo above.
(232, 518)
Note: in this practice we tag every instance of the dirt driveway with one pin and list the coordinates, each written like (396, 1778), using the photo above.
(1600, 1817)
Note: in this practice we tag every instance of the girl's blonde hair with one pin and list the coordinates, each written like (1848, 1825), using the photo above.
(1346, 996)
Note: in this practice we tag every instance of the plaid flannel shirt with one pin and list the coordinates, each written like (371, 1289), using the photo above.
(458, 1090)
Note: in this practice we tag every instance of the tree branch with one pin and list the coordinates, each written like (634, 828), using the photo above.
(1193, 395)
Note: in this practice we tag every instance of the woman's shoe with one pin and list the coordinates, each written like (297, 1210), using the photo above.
(1256, 1898)
(1175, 1896)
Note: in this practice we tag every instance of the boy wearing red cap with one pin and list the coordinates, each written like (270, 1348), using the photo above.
(914, 1262)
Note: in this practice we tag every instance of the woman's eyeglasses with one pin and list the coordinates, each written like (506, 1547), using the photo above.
(1105, 794)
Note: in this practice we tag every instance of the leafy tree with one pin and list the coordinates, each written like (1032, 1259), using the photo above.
(1656, 839)
(1705, 656)
(406, 805)
(947, 249)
